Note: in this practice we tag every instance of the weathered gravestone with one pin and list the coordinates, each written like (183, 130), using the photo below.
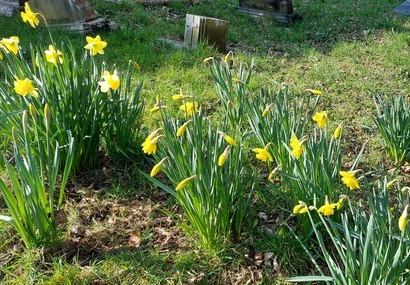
(73, 14)
(204, 29)
(282, 10)
(403, 8)
(7, 7)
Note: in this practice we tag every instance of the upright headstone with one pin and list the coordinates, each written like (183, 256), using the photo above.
(204, 29)
(74, 14)
(282, 10)
(7, 7)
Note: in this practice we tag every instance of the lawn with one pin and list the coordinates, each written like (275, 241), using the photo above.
(116, 226)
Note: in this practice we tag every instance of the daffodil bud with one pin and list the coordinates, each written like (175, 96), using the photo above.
(403, 219)
(267, 110)
(228, 57)
(24, 121)
(391, 183)
(32, 111)
(15, 134)
(157, 167)
(301, 208)
(136, 65)
(273, 173)
(47, 116)
(181, 130)
(315, 91)
(236, 80)
(228, 138)
(184, 182)
(206, 60)
(337, 132)
(224, 156)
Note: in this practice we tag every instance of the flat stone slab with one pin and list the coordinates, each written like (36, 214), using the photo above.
(7, 7)
(403, 9)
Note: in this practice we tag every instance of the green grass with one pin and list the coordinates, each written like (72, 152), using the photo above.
(349, 49)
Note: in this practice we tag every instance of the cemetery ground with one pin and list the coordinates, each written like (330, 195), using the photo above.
(120, 229)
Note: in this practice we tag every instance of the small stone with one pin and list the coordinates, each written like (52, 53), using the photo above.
(262, 216)
(267, 256)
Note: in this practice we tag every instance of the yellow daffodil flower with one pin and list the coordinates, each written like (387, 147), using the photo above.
(149, 146)
(403, 219)
(29, 16)
(297, 146)
(53, 56)
(327, 209)
(181, 130)
(110, 81)
(321, 119)
(300, 208)
(263, 153)
(1, 54)
(24, 87)
(349, 180)
(95, 45)
(184, 182)
(224, 156)
(337, 132)
(10, 44)
(315, 91)
(157, 167)
(267, 110)
(189, 108)
(228, 138)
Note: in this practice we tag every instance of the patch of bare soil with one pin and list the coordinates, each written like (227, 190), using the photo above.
(97, 226)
